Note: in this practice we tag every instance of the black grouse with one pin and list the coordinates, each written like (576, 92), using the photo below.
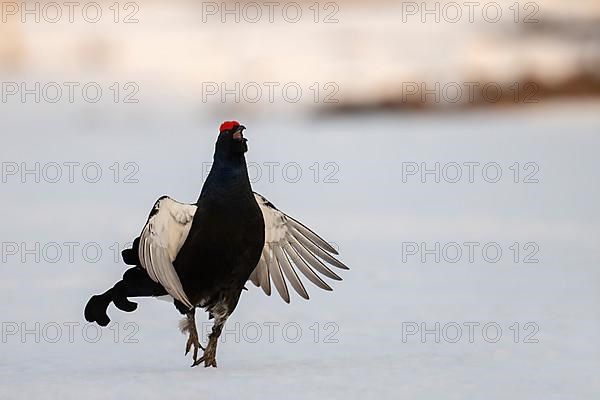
(203, 254)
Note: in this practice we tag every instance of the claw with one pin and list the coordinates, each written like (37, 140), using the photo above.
(208, 357)
(193, 341)
(208, 362)
(198, 361)
(212, 364)
(210, 352)
(189, 325)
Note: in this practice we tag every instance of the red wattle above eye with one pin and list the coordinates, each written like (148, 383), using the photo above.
(228, 125)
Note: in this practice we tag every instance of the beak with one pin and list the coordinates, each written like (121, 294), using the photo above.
(237, 135)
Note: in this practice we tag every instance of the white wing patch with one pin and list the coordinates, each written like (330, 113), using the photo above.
(289, 247)
(161, 239)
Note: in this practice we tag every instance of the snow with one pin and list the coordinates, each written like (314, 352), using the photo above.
(369, 213)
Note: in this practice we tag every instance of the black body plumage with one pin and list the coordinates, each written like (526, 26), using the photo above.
(227, 233)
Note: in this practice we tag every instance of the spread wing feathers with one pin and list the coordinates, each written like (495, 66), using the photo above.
(161, 239)
(291, 247)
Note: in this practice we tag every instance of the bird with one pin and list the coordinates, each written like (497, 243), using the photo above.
(202, 254)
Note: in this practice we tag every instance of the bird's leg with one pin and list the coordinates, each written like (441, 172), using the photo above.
(189, 325)
(210, 353)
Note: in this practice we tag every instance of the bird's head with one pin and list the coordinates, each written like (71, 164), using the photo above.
(231, 140)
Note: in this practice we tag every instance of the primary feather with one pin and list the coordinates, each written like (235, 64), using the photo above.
(290, 247)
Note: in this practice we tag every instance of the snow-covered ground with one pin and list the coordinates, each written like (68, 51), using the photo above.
(354, 342)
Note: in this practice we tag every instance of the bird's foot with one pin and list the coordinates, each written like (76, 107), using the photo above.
(189, 325)
(193, 341)
(209, 357)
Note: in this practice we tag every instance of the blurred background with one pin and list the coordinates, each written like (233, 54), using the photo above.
(397, 130)
(370, 51)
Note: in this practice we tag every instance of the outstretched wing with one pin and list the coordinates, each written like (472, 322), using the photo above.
(161, 239)
(291, 247)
